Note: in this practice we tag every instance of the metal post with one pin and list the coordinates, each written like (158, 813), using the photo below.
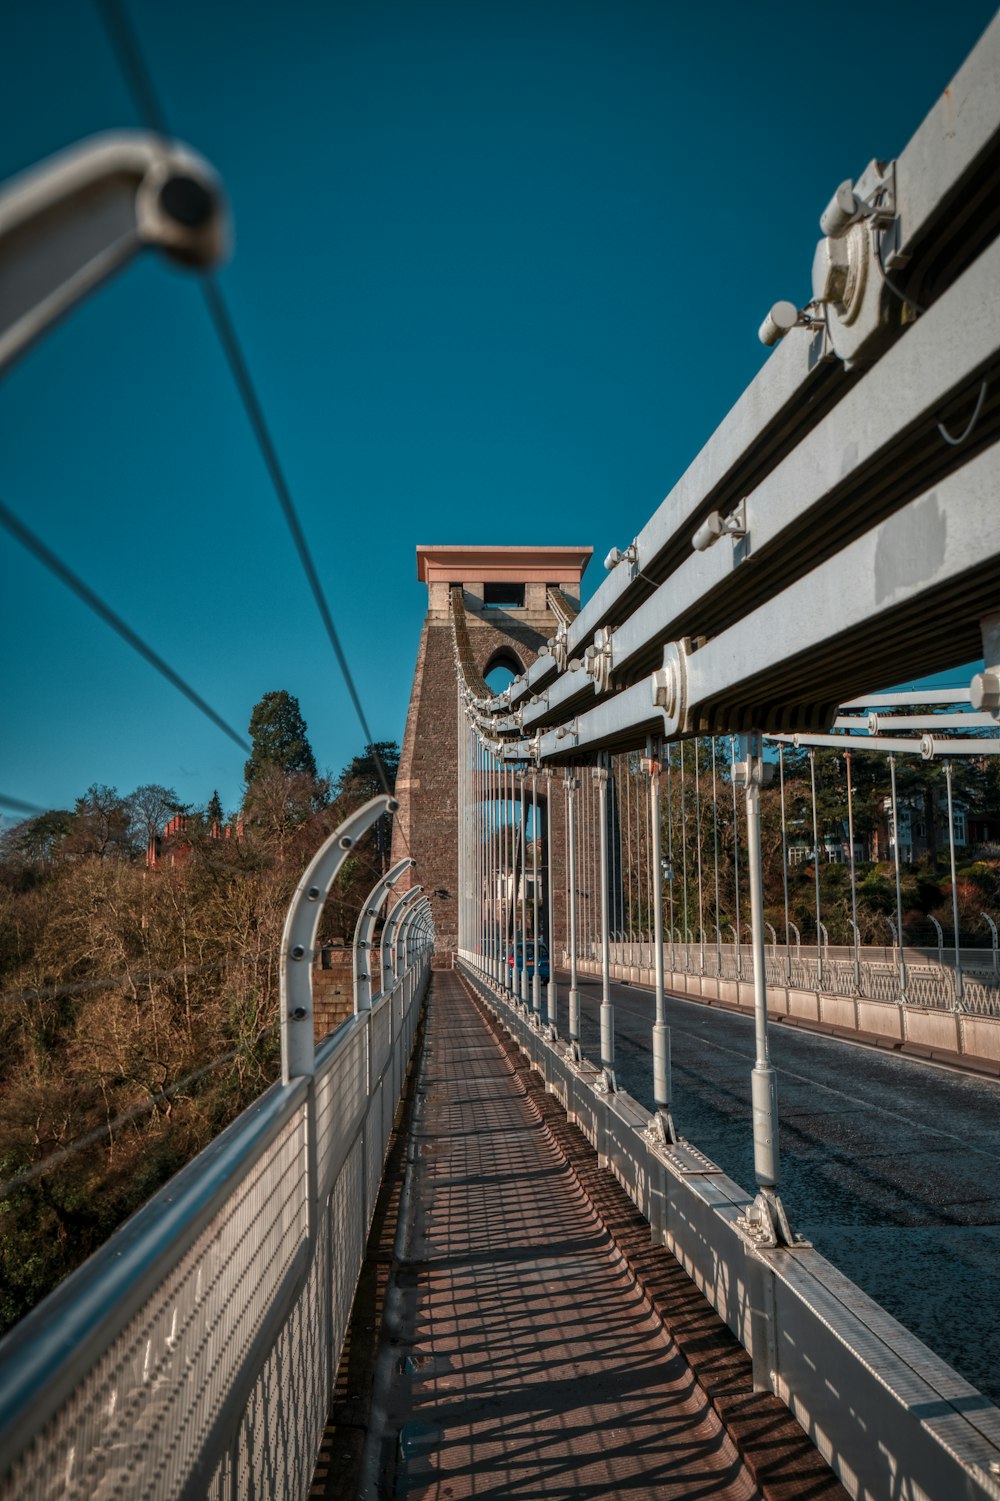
(389, 933)
(607, 1014)
(854, 885)
(715, 861)
(784, 862)
(697, 822)
(494, 869)
(522, 974)
(572, 783)
(939, 932)
(959, 982)
(901, 960)
(770, 1216)
(551, 993)
(819, 946)
(670, 860)
(661, 1032)
(993, 939)
(299, 937)
(536, 981)
(365, 927)
(736, 867)
(684, 869)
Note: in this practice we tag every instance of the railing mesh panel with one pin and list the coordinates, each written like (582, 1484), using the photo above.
(139, 1421)
(341, 1095)
(219, 1385)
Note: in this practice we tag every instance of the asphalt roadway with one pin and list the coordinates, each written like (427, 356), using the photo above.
(888, 1164)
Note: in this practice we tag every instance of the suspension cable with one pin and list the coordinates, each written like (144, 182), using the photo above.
(94, 602)
(138, 77)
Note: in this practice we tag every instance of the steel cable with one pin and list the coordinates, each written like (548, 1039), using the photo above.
(94, 602)
(138, 77)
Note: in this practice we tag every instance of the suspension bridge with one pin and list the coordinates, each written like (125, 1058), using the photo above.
(604, 1274)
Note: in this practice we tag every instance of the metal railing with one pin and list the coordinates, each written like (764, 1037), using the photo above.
(928, 984)
(195, 1353)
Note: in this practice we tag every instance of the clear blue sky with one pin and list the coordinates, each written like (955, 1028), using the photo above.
(498, 272)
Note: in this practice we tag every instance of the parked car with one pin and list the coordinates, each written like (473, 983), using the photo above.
(519, 955)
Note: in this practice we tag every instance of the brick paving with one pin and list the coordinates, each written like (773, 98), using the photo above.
(528, 1360)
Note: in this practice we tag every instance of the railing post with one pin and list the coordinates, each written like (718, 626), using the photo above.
(299, 938)
(993, 939)
(766, 1216)
(661, 1032)
(390, 936)
(607, 1012)
(536, 980)
(551, 991)
(959, 982)
(899, 889)
(573, 1051)
(298, 945)
(522, 973)
(363, 956)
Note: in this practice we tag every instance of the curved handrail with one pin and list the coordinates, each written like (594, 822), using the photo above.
(409, 925)
(364, 929)
(387, 956)
(298, 941)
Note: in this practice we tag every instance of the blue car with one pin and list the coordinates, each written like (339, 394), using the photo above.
(543, 961)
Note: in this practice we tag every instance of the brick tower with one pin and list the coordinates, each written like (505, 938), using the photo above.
(506, 592)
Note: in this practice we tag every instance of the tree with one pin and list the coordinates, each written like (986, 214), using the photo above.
(37, 839)
(101, 824)
(363, 778)
(149, 807)
(280, 742)
(214, 813)
(360, 778)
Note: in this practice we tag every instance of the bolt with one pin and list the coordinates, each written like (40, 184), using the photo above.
(984, 692)
(312, 893)
(299, 1014)
(187, 201)
(298, 952)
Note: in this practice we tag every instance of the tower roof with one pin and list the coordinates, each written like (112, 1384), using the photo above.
(501, 565)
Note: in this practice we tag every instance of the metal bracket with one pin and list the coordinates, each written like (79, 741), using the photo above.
(606, 1083)
(598, 659)
(669, 686)
(765, 1223)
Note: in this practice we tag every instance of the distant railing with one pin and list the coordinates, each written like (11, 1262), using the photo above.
(928, 984)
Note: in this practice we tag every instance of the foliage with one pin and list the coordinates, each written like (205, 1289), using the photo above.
(279, 739)
(121, 984)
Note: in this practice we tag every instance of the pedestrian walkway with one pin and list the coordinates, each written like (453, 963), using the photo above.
(529, 1362)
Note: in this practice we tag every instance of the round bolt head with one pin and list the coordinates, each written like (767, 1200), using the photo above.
(187, 201)
(298, 952)
(299, 1013)
(984, 692)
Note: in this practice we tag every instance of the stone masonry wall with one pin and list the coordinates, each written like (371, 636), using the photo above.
(426, 825)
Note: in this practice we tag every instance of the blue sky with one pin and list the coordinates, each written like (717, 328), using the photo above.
(498, 273)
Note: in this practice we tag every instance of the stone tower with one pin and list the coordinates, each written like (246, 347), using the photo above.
(506, 591)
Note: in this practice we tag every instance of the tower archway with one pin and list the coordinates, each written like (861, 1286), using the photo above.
(502, 668)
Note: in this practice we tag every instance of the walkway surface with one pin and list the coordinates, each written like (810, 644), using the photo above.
(528, 1363)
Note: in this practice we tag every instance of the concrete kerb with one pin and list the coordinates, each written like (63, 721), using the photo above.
(894, 1415)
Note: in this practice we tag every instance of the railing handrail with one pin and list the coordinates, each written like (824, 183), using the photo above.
(42, 1356)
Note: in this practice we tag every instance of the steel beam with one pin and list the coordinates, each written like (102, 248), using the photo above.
(71, 222)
